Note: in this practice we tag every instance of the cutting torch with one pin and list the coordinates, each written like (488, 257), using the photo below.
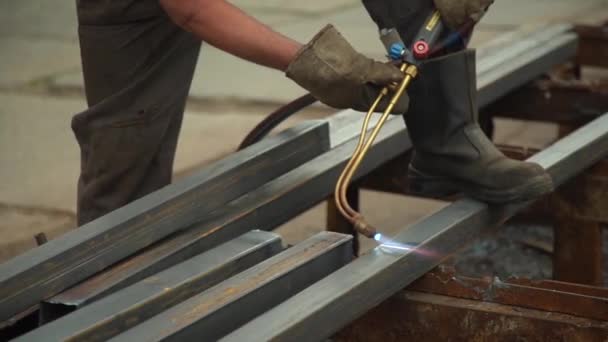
(408, 60)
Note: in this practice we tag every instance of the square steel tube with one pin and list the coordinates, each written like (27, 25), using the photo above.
(130, 306)
(226, 306)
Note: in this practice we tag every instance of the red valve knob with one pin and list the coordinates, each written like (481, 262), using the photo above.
(421, 49)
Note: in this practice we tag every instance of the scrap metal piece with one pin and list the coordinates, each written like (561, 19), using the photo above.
(134, 304)
(226, 306)
(330, 304)
(51, 268)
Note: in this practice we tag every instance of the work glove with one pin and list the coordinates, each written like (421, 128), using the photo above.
(340, 77)
(457, 13)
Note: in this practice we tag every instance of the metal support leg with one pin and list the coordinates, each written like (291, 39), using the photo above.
(577, 249)
(579, 210)
(337, 223)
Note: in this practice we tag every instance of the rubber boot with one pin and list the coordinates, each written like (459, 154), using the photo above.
(451, 152)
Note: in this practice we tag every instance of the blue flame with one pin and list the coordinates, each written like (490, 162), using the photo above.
(391, 246)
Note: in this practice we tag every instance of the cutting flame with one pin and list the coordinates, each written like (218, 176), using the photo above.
(390, 245)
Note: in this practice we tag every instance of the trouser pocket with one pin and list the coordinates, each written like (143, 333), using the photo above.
(137, 79)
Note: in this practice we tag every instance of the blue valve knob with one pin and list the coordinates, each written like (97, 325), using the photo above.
(396, 51)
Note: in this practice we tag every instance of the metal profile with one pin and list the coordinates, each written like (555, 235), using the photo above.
(219, 310)
(266, 208)
(138, 302)
(51, 268)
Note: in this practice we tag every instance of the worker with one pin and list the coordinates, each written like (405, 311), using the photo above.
(139, 57)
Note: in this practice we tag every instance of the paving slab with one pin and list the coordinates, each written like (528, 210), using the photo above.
(38, 153)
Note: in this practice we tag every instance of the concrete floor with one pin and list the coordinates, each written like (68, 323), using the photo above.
(41, 88)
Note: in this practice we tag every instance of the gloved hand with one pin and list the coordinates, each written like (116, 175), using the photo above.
(337, 75)
(456, 13)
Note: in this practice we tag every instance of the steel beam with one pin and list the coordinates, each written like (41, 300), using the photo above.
(133, 305)
(415, 316)
(266, 208)
(338, 299)
(152, 260)
(219, 310)
(126, 272)
(67, 260)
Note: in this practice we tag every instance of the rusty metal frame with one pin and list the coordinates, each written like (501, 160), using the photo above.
(547, 295)
(417, 316)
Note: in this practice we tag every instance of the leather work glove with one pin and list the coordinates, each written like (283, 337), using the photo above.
(337, 75)
(457, 13)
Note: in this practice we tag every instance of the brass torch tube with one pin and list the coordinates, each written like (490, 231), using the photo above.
(360, 152)
(359, 157)
(345, 211)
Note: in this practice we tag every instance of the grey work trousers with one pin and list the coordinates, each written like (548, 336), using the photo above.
(137, 67)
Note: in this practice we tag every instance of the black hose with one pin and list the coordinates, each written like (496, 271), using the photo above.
(276, 118)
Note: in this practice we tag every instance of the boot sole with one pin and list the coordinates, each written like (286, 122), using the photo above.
(441, 187)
